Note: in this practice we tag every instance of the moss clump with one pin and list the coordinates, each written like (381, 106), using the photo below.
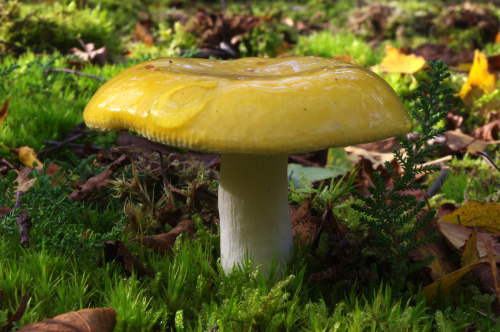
(47, 28)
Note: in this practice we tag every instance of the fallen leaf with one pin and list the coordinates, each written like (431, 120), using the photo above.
(85, 320)
(304, 224)
(4, 110)
(479, 76)
(488, 132)
(24, 182)
(457, 141)
(4, 211)
(143, 32)
(27, 156)
(447, 283)
(397, 62)
(494, 269)
(484, 215)
(469, 252)
(377, 159)
(95, 183)
(117, 251)
(457, 235)
(163, 243)
(441, 265)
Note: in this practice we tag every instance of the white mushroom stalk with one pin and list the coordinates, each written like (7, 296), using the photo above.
(253, 209)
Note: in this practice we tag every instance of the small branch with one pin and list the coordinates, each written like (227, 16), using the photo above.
(66, 141)
(438, 183)
(78, 73)
(488, 159)
(23, 222)
(73, 145)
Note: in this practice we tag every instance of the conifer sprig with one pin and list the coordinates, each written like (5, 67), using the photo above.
(394, 216)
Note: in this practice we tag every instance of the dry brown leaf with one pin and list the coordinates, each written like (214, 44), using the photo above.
(163, 243)
(396, 61)
(23, 180)
(479, 77)
(457, 235)
(85, 320)
(484, 215)
(494, 269)
(4, 110)
(377, 159)
(304, 224)
(97, 182)
(488, 132)
(117, 251)
(27, 156)
(441, 265)
(456, 140)
(143, 32)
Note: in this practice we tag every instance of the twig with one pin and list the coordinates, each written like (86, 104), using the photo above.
(74, 145)
(62, 143)
(438, 183)
(78, 73)
(488, 159)
(23, 222)
(16, 317)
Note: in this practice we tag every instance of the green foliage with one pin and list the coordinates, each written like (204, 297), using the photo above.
(329, 44)
(396, 217)
(54, 27)
(53, 101)
(263, 40)
(61, 225)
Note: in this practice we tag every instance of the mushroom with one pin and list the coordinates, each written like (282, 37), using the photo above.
(254, 112)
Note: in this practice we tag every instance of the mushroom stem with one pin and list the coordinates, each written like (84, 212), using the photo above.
(253, 208)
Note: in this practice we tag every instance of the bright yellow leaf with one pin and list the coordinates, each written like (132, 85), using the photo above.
(484, 215)
(479, 77)
(27, 156)
(398, 62)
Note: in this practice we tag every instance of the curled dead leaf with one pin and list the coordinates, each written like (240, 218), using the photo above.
(457, 235)
(304, 224)
(85, 320)
(163, 243)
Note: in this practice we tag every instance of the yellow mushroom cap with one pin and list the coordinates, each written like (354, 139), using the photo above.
(250, 105)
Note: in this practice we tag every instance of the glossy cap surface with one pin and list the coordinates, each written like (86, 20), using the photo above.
(251, 105)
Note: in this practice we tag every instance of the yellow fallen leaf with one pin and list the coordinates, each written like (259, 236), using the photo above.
(470, 254)
(479, 77)
(497, 38)
(4, 110)
(27, 156)
(448, 282)
(484, 215)
(398, 62)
